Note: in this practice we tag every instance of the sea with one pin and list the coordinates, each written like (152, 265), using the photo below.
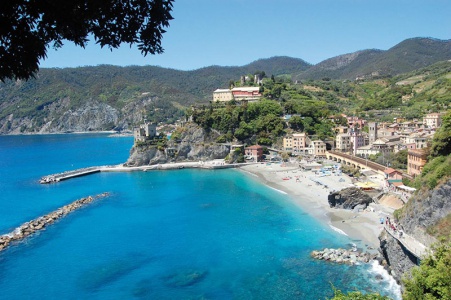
(174, 234)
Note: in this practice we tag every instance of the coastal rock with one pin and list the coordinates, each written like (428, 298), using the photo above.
(424, 210)
(349, 198)
(31, 227)
(343, 256)
(193, 144)
(398, 260)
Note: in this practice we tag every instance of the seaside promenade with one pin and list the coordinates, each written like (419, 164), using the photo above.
(412, 245)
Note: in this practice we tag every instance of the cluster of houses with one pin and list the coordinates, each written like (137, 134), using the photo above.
(383, 138)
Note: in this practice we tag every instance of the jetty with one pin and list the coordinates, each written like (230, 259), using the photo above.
(38, 224)
(69, 174)
(53, 178)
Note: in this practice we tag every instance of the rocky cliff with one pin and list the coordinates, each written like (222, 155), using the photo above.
(191, 143)
(59, 117)
(418, 218)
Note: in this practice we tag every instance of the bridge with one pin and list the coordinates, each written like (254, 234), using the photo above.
(355, 161)
(416, 248)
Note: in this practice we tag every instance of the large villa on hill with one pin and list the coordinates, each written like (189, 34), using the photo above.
(249, 94)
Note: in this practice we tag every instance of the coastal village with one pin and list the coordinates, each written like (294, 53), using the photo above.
(352, 146)
(323, 163)
(285, 150)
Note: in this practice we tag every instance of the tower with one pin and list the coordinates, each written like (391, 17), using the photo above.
(372, 132)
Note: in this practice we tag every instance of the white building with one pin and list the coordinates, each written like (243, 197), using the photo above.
(433, 120)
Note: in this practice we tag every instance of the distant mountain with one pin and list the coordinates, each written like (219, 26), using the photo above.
(110, 97)
(406, 56)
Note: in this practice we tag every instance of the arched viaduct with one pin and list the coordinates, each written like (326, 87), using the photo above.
(354, 161)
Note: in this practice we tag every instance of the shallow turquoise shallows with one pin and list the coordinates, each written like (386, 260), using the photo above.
(184, 234)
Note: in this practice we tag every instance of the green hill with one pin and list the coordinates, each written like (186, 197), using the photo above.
(406, 56)
(110, 97)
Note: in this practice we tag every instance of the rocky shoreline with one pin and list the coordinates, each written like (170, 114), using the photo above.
(33, 226)
(343, 256)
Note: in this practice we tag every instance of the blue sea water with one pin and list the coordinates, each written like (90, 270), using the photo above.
(182, 234)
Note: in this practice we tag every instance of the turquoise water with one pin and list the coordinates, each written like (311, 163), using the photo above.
(184, 234)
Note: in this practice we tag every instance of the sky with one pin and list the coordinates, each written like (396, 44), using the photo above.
(238, 32)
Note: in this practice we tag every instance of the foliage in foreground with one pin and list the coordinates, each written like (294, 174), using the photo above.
(432, 279)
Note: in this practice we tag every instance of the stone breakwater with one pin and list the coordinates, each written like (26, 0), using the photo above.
(33, 226)
(343, 256)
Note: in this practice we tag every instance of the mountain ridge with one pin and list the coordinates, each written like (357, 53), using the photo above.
(410, 54)
(42, 105)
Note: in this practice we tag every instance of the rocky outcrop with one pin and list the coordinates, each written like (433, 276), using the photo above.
(349, 198)
(31, 227)
(193, 144)
(343, 256)
(423, 210)
(399, 261)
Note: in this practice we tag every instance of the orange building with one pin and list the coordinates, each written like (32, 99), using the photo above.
(416, 159)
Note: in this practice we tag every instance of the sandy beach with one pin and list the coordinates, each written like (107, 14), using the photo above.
(301, 186)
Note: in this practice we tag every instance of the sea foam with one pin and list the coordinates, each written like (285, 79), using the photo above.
(338, 230)
(392, 287)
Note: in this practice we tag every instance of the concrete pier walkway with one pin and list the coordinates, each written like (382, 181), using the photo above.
(215, 164)
(69, 174)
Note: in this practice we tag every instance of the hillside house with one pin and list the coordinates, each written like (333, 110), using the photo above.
(248, 94)
(416, 159)
(254, 152)
(296, 143)
(222, 95)
(391, 173)
(433, 120)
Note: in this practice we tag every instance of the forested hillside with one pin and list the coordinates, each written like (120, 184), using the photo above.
(110, 97)
(406, 56)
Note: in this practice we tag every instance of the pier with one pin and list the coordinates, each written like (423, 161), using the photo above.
(69, 174)
(120, 168)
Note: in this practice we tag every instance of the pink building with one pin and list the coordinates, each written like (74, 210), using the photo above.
(254, 152)
(391, 173)
(246, 93)
(355, 122)
(356, 140)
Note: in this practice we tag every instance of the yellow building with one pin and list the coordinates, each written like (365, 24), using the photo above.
(317, 148)
(296, 143)
(416, 159)
(222, 95)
